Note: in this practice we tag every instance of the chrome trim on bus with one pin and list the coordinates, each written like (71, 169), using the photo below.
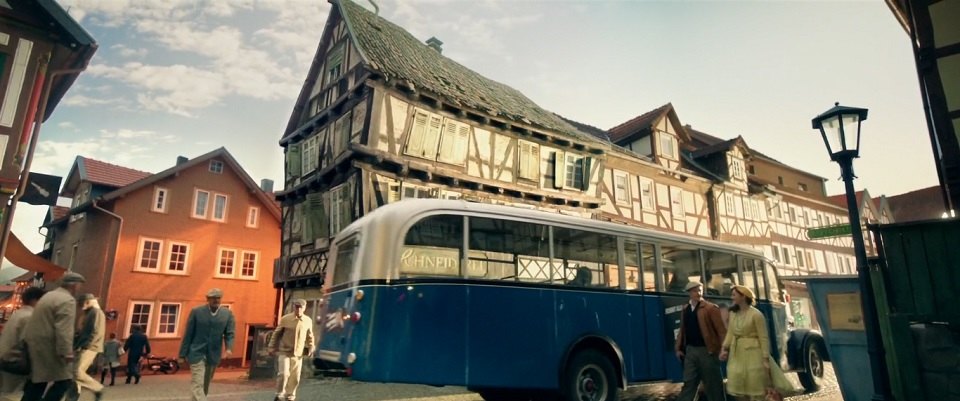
(329, 356)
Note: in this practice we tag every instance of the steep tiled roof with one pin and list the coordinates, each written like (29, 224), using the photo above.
(717, 147)
(922, 204)
(841, 199)
(638, 123)
(588, 129)
(105, 173)
(395, 53)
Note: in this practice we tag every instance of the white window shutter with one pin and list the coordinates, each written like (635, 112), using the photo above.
(448, 142)
(462, 143)
(417, 132)
(559, 168)
(431, 139)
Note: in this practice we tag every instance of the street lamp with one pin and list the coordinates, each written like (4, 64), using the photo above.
(840, 129)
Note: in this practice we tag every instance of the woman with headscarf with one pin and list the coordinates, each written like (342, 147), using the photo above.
(751, 371)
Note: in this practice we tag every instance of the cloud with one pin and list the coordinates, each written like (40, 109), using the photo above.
(67, 125)
(127, 52)
(122, 146)
(83, 101)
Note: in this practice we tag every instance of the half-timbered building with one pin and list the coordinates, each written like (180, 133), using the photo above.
(383, 117)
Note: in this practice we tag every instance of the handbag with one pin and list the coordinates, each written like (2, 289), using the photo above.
(16, 360)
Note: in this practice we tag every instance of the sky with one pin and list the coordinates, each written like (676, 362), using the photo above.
(184, 77)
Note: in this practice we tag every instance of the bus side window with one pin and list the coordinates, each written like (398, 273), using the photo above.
(753, 277)
(681, 264)
(510, 250)
(585, 251)
(639, 266)
(432, 247)
(721, 271)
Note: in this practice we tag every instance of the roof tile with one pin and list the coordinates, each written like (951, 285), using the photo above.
(638, 123)
(104, 173)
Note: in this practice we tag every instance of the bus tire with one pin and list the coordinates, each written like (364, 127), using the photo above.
(590, 376)
(811, 377)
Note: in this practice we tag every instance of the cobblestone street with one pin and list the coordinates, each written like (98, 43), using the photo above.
(234, 385)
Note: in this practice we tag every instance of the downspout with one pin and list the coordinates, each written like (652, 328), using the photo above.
(104, 292)
(47, 83)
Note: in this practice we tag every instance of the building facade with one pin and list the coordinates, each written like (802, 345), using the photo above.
(152, 245)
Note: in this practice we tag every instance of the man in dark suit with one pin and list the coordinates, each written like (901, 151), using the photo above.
(136, 347)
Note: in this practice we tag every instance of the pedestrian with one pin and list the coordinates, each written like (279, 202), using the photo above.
(88, 344)
(291, 341)
(698, 345)
(49, 337)
(112, 350)
(136, 347)
(751, 371)
(210, 328)
(12, 334)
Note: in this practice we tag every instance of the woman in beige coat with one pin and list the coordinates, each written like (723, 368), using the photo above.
(751, 371)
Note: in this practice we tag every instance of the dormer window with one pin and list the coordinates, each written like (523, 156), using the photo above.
(802, 187)
(668, 145)
(216, 166)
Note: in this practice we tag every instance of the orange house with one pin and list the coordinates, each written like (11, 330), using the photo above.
(151, 245)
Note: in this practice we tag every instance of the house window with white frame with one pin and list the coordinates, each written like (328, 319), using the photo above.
(149, 255)
(668, 145)
(169, 319)
(729, 205)
(227, 264)
(216, 166)
(178, 256)
(200, 200)
(248, 266)
(529, 155)
(574, 171)
(621, 192)
(253, 217)
(159, 200)
(140, 316)
(219, 207)
(646, 194)
(676, 203)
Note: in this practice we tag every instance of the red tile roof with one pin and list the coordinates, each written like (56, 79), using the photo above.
(113, 175)
(922, 204)
(637, 124)
(841, 200)
(59, 212)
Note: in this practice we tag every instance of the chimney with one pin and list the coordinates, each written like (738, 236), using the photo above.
(266, 185)
(181, 160)
(435, 44)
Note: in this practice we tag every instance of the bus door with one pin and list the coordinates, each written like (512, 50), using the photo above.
(644, 312)
(679, 265)
(755, 278)
(338, 303)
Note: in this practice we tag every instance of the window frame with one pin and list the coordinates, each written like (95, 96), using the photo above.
(647, 202)
(528, 158)
(253, 213)
(661, 136)
(138, 263)
(161, 196)
(176, 322)
(196, 204)
(129, 318)
(217, 272)
(226, 207)
(573, 163)
(169, 254)
(216, 170)
(625, 198)
(677, 210)
(243, 259)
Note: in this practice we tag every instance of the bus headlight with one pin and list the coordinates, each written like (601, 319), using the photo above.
(351, 358)
(359, 295)
(355, 317)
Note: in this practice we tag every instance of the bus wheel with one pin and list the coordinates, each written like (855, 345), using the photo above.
(590, 377)
(812, 375)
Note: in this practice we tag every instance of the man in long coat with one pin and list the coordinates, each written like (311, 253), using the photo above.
(209, 329)
(49, 336)
(136, 347)
(89, 343)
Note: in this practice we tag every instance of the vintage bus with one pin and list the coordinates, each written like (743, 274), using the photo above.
(519, 304)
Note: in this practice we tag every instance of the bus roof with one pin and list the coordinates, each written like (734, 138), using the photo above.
(397, 214)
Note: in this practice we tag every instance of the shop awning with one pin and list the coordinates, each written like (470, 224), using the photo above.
(19, 255)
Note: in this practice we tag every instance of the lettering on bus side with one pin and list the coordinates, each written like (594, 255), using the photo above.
(437, 261)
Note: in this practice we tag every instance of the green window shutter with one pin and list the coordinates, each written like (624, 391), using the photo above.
(306, 222)
(323, 223)
(317, 215)
(587, 162)
(293, 160)
(559, 169)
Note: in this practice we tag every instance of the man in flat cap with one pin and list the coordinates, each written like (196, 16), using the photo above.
(698, 345)
(88, 343)
(292, 340)
(210, 328)
(49, 336)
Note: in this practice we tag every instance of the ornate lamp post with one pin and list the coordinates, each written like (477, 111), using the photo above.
(840, 128)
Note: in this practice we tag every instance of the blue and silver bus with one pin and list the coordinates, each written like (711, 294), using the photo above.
(519, 304)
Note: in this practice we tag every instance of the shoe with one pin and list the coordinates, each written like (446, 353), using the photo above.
(98, 395)
(128, 379)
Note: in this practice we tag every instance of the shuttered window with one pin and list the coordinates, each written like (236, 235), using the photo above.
(424, 136)
(293, 161)
(646, 194)
(453, 142)
(621, 191)
(676, 203)
(529, 160)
